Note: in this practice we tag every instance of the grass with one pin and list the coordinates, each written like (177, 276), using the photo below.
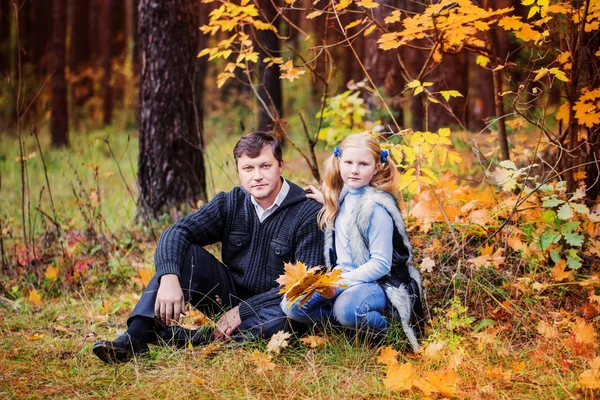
(46, 352)
(46, 348)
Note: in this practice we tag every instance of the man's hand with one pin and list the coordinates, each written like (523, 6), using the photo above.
(314, 193)
(227, 324)
(170, 303)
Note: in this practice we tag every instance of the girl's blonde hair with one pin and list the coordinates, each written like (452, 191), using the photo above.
(386, 178)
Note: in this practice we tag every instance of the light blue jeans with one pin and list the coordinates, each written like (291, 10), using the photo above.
(360, 307)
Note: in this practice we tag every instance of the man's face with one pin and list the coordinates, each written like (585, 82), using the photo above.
(260, 176)
(357, 167)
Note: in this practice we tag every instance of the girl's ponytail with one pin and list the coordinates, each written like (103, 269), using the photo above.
(331, 187)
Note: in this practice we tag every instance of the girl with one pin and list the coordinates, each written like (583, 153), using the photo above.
(365, 237)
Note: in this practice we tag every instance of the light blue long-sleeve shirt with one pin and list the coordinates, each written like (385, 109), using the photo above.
(380, 234)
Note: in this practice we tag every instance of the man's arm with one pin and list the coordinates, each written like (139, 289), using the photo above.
(203, 227)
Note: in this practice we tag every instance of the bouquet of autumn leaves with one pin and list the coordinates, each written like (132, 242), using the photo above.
(300, 282)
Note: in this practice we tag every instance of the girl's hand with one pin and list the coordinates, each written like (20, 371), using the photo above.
(314, 193)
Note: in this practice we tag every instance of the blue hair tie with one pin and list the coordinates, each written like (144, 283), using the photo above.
(337, 151)
(383, 155)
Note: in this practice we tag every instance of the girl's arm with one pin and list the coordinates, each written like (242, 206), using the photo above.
(381, 232)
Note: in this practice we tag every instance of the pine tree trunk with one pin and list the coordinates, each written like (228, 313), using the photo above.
(41, 37)
(268, 77)
(105, 32)
(171, 167)
(80, 53)
(59, 122)
(5, 15)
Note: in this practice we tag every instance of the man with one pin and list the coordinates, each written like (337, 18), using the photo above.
(262, 224)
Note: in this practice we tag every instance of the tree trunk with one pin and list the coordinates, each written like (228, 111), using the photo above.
(171, 169)
(268, 77)
(59, 122)
(105, 32)
(24, 32)
(4, 37)
(41, 37)
(80, 53)
(453, 75)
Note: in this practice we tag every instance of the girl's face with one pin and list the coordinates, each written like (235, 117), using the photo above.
(357, 167)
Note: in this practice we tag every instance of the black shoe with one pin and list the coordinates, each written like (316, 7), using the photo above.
(122, 349)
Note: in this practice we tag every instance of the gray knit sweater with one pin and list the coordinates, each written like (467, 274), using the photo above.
(253, 251)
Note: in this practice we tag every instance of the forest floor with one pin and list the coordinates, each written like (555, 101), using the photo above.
(510, 328)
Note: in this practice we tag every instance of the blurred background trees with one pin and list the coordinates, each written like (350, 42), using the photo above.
(72, 65)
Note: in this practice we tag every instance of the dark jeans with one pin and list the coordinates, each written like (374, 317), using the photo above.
(207, 285)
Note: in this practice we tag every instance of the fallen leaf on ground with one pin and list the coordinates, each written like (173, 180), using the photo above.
(558, 272)
(262, 361)
(278, 341)
(546, 330)
(313, 341)
(35, 298)
(438, 382)
(387, 356)
(427, 265)
(590, 378)
(399, 376)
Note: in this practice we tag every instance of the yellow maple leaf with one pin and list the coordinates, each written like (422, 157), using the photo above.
(438, 382)
(262, 362)
(194, 318)
(293, 274)
(278, 341)
(387, 355)
(311, 282)
(34, 297)
(559, 273)
(314, 14)
(584, 332)
(498, 373)
(289, 72)
(546, 330)
(313, 341)
(590, 378)
(393, 17)
(51, 273)
(399, 376)
(368, 4)
(343, 4)
(563, 113)
(482, 60)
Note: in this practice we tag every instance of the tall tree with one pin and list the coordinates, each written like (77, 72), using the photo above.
(4, 37)
(80, 53)
(59, 121)
(171, 166)
(268, 77)
(41, 36)
(106, 50)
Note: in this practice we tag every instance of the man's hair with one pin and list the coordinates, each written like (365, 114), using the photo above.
(253, 143)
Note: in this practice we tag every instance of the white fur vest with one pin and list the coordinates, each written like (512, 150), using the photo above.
(405, 297)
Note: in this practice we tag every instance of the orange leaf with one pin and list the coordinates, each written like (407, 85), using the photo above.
(313, 341)
(146, 275)
(35, 298)
(438, 382)
(590, 378)
(558, 272)
(387, 356)
(51, 273)
(584, 333)
(262, 361)
(399, 377)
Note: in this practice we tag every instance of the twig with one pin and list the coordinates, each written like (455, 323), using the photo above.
(56, 224)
